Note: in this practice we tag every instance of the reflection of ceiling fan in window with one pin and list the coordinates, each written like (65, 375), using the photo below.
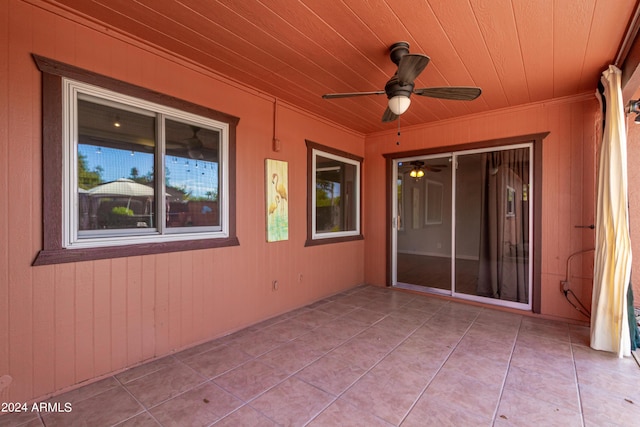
(418, 168)
(194, 145)
(202, 144)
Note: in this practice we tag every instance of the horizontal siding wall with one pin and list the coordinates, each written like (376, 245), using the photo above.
(568, 186)
(64, 324)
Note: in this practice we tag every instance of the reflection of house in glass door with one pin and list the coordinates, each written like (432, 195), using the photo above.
(465, 225)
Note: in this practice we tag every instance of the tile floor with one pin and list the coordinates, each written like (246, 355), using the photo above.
(371, 357)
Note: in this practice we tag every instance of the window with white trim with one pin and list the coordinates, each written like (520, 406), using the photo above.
(136, 171)
(98, 131)
(334, 193)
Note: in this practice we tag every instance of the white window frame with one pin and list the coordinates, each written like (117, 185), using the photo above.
(356, 194)
(70, 235)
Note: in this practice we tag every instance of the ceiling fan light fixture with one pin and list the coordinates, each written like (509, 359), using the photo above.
(399, 104)
(416, 173)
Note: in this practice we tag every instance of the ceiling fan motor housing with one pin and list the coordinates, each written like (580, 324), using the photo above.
(397, 51)
(395, 88)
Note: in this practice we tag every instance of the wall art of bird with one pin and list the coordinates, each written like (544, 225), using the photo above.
(280, 188)
(274, 205)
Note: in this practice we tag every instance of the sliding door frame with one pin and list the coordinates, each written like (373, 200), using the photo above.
(535, 139)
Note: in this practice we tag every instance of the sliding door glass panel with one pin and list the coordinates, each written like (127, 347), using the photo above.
(492, 225)
(423, 243)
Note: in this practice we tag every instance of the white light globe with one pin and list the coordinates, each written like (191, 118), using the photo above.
(399, 104)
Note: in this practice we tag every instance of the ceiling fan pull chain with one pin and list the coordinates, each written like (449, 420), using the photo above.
(398, 141)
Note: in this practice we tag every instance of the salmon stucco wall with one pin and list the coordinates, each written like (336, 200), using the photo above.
(61, 325)
(568, 186)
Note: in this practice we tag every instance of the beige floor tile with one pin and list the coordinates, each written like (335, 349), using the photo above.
(479, 367)
(544, 362)
(619, 408)
(217, 361)
(141, 420)
(580, 335)
(331, 374)
(164, 384)
(291, 357)
(291, 328)
(496, 332)
(432, 411)
(404, 322)
(340, 413)
(199, 349)
(342, 328)
(421, 360)
(146, 369)
(251, 379)
(200, 406)
(471, 395)
(292, 402)
(489, 349)
(543, 386)
(368, 317)
(87, 391)
(314, 318)
(545, 329)
(323, 339)
(386, 392)
(523, 410)
(246, 417)
(361, 352)
(504, 319)
(12, 419)
(334, 308)
(107, 408)
(545, 345)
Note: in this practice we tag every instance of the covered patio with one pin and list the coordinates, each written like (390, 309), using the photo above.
(280, 264)
(374, 357)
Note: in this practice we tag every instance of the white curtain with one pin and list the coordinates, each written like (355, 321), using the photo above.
(612, 268)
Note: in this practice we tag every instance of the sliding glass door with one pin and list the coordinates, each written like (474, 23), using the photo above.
(423, 237)
(463, 227)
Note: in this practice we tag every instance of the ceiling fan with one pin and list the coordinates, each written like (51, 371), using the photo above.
(401, 85)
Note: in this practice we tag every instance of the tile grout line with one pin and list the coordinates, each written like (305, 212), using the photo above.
(424, 389)
(504, 380)
(575, 377)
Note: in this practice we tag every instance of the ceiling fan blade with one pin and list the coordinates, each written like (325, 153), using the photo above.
(388, 116)
(458, 93)
(410, 67)
(350, 94)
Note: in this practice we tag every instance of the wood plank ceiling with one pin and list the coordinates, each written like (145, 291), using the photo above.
(517, 51)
